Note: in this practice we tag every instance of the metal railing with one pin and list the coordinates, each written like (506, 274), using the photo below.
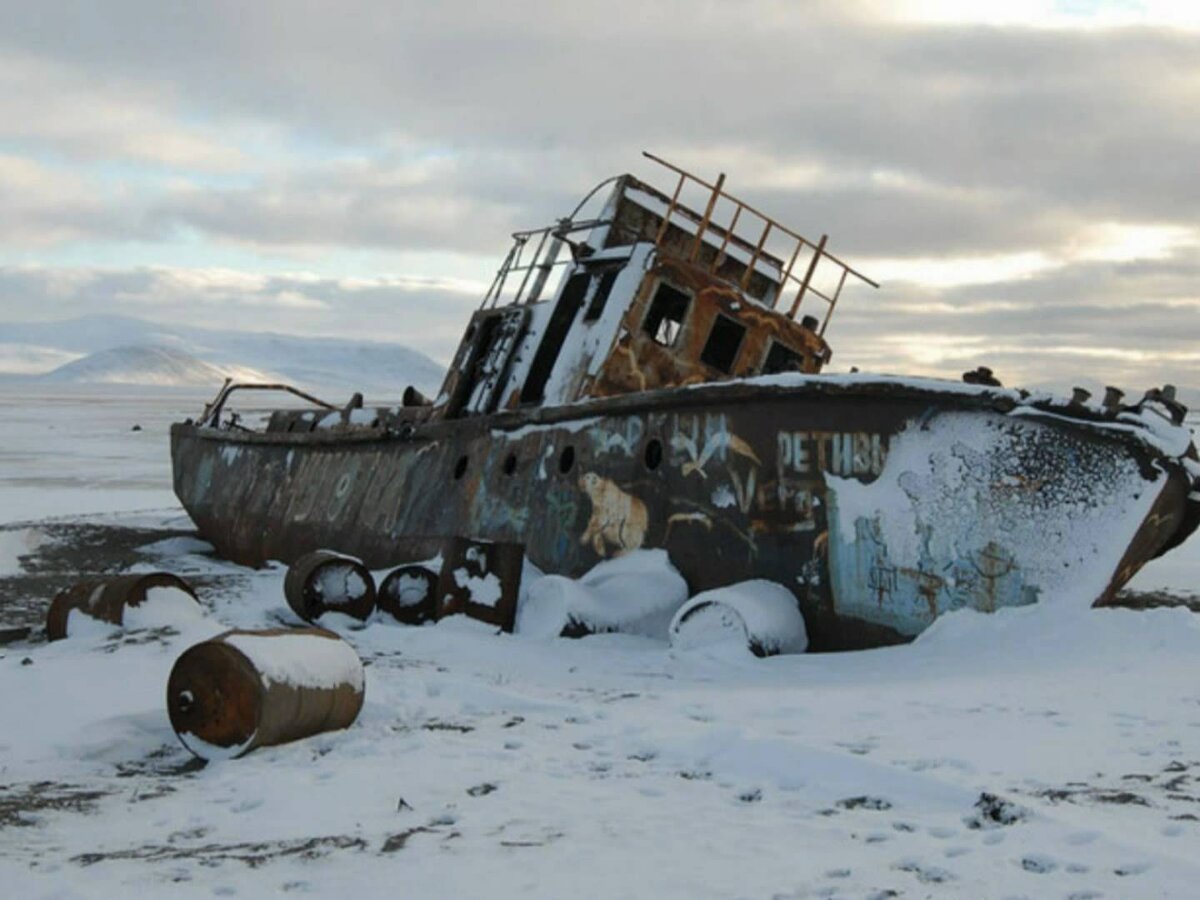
(535, 253)
(756, 251)
(212, 410)
(539, 262)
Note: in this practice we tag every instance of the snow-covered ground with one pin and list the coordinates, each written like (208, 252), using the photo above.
(1026, 754)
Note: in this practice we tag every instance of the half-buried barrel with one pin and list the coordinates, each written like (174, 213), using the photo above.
(246, 689)
(108, 599)
(324, 581)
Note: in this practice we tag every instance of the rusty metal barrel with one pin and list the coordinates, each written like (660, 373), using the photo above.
(107, 598)
(409, 594)
(246, 689)
(324, 581)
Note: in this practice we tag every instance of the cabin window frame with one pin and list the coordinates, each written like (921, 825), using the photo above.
(772, 344)
(658, 312)
(713, 358)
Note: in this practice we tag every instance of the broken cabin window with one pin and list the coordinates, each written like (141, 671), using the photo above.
(604, 287)
(665, 318)
(724, 342)
(782, 359)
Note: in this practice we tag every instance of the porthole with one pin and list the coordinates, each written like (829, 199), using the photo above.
(653, 454)
(460, 468)
(566, 459)
(510, 464)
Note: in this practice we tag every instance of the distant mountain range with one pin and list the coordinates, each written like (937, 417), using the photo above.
(105, 349)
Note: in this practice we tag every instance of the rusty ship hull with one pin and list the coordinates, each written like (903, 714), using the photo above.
(881, 503)
(668, 392)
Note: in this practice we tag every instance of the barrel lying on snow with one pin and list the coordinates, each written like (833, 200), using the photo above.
(409, 594)
(759, 615)
(114, 600)
(324, 581)
(246, 689)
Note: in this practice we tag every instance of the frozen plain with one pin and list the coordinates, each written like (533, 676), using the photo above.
(492, 765)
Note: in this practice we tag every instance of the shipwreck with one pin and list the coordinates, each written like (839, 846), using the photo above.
(652, 376)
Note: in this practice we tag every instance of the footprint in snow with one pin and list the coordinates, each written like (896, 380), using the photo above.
(1038, 863)
(1131, 869)
(924, 873)
(865, 802)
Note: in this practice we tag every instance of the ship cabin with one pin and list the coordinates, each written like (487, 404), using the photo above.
(650, 294)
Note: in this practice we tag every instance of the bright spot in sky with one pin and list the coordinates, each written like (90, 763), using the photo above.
(1045, 13)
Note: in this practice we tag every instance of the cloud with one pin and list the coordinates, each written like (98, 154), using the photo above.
(43, 205)
(1128, 323)
(428, 314)
(388, 204)
(68, 111)
(1003, 179)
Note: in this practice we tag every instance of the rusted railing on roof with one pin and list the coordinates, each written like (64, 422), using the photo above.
(757, 252)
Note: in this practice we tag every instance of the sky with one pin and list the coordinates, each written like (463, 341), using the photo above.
(1021, 178)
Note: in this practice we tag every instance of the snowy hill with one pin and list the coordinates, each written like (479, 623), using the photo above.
(201, 356)
(148, 365)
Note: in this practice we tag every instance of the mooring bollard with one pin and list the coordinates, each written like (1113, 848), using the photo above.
(324, 581)
(107, 599)
(246, 689)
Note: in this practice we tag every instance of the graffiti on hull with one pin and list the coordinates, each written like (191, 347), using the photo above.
(872, 585)
(618, 521)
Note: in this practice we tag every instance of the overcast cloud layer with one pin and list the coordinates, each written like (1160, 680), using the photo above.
(1027, 193)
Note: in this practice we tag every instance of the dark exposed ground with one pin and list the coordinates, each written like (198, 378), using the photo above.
(78, 550)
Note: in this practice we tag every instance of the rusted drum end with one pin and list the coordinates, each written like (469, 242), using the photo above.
(409, 594)
(214, 700)
(246, 689)
(107, 599)
(324, 581)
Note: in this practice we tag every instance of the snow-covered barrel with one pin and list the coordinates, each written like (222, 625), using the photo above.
(324, 581)
(108, 599)
(409, 594)
(758, 615)
(246, 689)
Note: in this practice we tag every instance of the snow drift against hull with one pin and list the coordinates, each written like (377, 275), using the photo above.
(669, 395)
(981, 512)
